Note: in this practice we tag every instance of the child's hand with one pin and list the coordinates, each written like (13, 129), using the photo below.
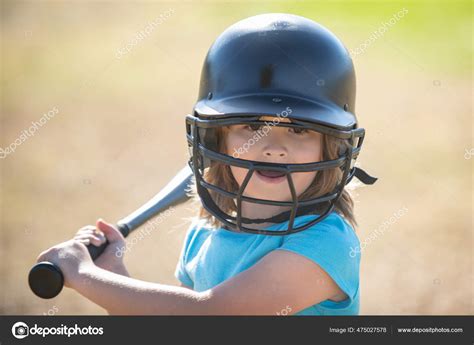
(71, 257)
(109, 259)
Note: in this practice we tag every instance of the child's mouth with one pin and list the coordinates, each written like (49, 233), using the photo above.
(271, 176)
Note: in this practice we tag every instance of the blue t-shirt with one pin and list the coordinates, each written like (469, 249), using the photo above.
(210, 256)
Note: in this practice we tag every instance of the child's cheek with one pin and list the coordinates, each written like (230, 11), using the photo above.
(307, 154)
(239, 148)
(239, 174)
(303, 180)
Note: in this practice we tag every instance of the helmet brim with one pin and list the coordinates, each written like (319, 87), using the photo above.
(273, 105)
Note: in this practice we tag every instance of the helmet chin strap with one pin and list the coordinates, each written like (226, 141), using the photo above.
(363, 176)
(284, 216)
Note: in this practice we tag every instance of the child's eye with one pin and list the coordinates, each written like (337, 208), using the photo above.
(253, 127)
(298, 130)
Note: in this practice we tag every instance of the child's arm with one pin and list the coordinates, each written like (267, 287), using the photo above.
(280, 281)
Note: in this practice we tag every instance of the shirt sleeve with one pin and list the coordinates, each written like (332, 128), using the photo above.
(180, 271)
(333, 245)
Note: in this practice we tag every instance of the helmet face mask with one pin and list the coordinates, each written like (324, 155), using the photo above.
(259, 67)
(202, 141)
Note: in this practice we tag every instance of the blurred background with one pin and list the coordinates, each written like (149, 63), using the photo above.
(117, 135)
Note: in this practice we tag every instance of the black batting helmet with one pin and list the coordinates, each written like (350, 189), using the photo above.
(264, 65)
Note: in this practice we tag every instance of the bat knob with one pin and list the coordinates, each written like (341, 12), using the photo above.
(46, 280)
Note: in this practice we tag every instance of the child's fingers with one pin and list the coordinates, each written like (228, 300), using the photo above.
(91, 236)
(98, 234)
(85, 241)
(96, 240)
(86, 229)
(89, 230)
(94, 232)
(112, 233)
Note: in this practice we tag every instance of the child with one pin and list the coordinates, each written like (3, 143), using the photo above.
(273, 141)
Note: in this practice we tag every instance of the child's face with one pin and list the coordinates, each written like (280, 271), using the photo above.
(279, 145)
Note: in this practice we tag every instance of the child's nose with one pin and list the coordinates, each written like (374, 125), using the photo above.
(275, 151)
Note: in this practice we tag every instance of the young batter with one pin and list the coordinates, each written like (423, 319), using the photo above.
(273, 141)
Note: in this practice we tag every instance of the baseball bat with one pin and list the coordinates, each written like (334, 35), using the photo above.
(46, 279)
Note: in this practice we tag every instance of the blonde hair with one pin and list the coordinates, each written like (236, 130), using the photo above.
(220, 174)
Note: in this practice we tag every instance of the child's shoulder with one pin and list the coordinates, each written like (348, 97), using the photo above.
(330, 241)
(336, 221)
(334, 226)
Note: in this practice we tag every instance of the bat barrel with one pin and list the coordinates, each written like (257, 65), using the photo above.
(173, 194)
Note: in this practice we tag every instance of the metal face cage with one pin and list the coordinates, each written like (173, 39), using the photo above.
(202, 142)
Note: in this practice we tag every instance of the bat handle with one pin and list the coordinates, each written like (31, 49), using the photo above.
(46, 279)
